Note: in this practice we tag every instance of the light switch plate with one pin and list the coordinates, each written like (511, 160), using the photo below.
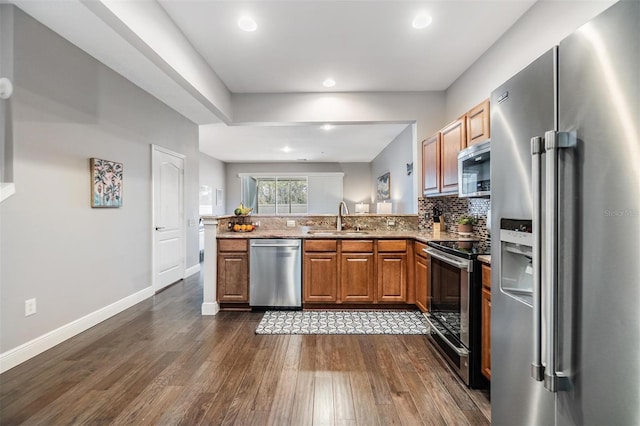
(291, 223)
(29, 307)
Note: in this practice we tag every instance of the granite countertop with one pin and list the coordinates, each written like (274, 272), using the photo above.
(485, 258)
(422, 236)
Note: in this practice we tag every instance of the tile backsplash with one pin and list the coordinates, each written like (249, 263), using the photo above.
(453, 208)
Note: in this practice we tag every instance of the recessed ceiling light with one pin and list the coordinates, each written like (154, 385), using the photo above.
(246, 23)
(421, 21)
(286, 149)
(329, 82)
(327, 126)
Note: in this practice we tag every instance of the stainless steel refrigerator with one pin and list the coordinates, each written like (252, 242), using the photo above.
(565, 187)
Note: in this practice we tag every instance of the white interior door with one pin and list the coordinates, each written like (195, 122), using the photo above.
(168, 217)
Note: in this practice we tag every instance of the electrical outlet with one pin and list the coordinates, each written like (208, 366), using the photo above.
(291, 223)
(391, 222)
(29, 307)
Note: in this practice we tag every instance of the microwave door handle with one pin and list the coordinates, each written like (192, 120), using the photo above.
(537, 149)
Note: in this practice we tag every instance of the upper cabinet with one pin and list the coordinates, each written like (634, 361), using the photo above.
(478, 123)
(431, 165)
(440, 151)
(454, 138)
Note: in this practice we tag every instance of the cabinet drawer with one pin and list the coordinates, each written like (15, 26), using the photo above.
(486, 275)
(357, 246)
(232, 244)
(392, 245)
(419, 249)
(320, 245)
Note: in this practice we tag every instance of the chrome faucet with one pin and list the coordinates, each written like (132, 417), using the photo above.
(346, 211)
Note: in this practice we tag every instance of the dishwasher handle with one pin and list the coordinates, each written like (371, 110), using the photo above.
(289, 245)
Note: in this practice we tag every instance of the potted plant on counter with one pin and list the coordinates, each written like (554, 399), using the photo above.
(465, 224)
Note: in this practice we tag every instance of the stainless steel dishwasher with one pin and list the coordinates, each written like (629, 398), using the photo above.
(275, 273)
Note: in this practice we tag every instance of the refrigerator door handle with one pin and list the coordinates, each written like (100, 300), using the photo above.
(554, 141)
(537, 149)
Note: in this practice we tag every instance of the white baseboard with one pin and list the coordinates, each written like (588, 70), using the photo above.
(192, 270)
(210, 308)
(22, 353)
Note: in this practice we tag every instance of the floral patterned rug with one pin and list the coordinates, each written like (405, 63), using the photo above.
(342, 322)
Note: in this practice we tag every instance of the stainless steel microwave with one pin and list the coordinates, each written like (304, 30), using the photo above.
(474, 174)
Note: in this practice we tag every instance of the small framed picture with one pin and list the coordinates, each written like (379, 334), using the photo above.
(106, 183)
(384, 186)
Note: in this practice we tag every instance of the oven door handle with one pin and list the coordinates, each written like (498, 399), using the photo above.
(447, 259)
(460, 351)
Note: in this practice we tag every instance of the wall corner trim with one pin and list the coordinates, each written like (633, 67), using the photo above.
(26, 351)
(209, 308)
(191, 270)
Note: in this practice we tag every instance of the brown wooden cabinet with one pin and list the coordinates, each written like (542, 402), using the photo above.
(358, 271)
(357, 279)
(431, 165)
(320, 271)
(440, 151)
(478, 129)
(392, 271)
(421, 265)
(233, 271)
(485, 346)
(453, 139)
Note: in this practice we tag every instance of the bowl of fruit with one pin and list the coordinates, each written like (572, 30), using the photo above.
(241, 210)
(245, 227)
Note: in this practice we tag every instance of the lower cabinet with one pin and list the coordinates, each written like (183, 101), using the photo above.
(357, 277)
(421, 265)
(356, 271)
(233, 271)
(392, 271)
(320, 271)
(485, 346)
(392, 277)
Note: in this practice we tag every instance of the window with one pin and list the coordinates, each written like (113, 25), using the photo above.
(291, 193)
(282, 195)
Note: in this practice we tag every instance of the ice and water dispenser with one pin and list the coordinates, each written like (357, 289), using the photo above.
(516, 251)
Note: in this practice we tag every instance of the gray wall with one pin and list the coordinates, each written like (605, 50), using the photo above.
(67, 107)
(394, 159)
(357, 177)
(6, 70)
(544, 25)
(212, 173)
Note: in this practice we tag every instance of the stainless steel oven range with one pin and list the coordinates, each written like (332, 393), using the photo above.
(454, 305)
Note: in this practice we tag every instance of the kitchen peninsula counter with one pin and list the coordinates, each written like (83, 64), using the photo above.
(373, 227)
(422, 236)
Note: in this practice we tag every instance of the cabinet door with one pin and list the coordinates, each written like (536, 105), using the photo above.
(478, 123)
(357, 278)
(233, 277)
(454, 138)
(320, 277)
(392, 277)
(485, 346)
(431, 165)
(422, 283)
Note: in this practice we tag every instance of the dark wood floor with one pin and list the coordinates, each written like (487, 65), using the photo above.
(161, 362)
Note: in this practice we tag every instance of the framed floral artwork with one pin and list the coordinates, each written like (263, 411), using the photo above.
(106, 183)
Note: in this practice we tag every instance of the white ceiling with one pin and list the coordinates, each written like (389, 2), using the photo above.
(341, 143)
(366, 46)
